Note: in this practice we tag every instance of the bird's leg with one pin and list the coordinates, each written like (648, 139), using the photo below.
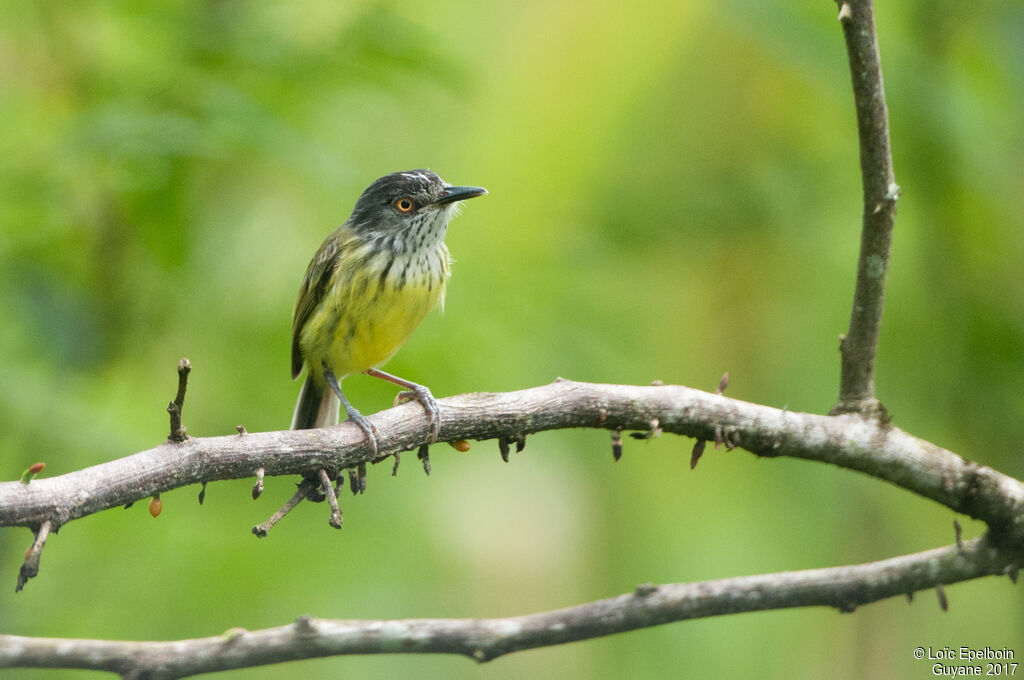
(421, 393)
(355, 416)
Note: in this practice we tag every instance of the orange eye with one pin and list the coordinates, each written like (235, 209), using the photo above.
(404, 204)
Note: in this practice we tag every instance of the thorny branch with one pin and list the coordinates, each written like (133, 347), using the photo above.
(844, 588)
(849, 441)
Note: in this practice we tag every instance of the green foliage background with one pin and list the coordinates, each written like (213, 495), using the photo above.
(674, 194)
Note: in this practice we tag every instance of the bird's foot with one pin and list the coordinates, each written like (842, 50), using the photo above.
(422, 394)
(366, 426)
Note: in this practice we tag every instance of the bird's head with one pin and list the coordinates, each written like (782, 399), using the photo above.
(412, 205)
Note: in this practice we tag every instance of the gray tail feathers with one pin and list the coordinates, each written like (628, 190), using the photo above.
(317, 405)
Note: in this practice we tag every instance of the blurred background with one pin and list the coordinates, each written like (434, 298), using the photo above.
(675, 193)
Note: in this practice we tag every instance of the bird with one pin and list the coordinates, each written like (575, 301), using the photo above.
(367, 288)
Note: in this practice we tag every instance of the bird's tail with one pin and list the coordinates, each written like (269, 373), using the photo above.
(317, 405)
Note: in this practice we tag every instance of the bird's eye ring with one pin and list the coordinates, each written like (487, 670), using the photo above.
(404, 204)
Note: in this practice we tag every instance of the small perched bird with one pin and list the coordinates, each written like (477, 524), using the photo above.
(367, 289)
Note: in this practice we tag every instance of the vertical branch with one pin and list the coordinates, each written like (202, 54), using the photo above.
(859, 345)
(178, 432)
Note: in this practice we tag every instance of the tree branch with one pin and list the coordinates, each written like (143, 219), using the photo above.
(849, 441)
(859, 345)
(844, 588)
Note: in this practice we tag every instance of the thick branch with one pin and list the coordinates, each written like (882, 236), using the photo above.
(844, 588)
(857, 383)
(848, 441)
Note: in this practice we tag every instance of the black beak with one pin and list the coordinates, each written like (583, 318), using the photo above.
(452, 194)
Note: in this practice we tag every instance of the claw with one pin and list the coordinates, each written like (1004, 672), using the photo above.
(424, 396)
(418, 392)
(365, 425)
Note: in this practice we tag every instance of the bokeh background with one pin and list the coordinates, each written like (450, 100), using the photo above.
(674, 194)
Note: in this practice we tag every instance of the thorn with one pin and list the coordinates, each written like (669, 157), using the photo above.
(698, 451)
(241, 429)
(616, 445)
(958, 531)
(718, 437)
(304, 624)
(257, 488)
(398, 459)
(202, 494)
(128, 504)
(941, 592)
(645, 589)
(656, 383)
(503, 448)
(910, 597)
(424, 455)
(723, 383)
(1011, 571)
(845, 13)
(520, 443)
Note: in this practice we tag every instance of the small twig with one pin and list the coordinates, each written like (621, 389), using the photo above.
(424, 455)
(332, 498)
(30, 567)
(698, 451)
(178, 432)
(305, 486)
(616, 445)
(357, 479)
(257, 488)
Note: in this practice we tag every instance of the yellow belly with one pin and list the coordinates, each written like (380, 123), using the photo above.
(362, 322)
